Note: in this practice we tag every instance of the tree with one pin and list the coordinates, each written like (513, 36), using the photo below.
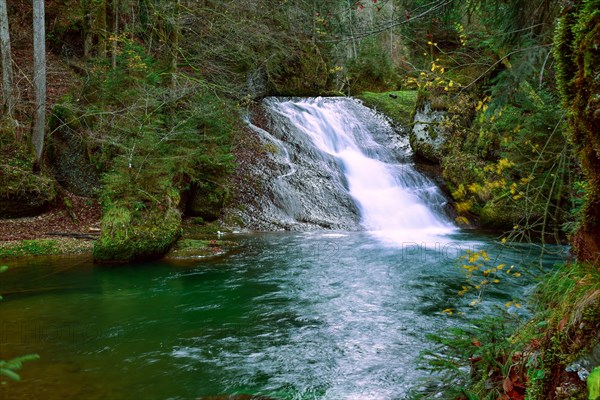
(7, 73)
(39, 79)
(577, 59)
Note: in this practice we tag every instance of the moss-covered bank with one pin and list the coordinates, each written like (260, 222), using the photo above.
(398, 105)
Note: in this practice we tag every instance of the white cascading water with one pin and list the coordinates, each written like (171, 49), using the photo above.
(395, 201)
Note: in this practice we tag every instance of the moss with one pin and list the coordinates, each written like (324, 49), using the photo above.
(44, 247)
(131, 236)
(577, 52)
(23, 248)
(22, 192)
(399, 109)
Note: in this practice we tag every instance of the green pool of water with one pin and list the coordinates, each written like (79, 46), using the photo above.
(328, 315)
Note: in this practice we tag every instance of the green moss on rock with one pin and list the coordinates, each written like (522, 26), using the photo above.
(397, 105)
(131, 236)
(23, 193)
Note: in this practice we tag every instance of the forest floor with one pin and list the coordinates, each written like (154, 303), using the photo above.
(61, 230)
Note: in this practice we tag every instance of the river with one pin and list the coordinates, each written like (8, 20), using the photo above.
(319, 314)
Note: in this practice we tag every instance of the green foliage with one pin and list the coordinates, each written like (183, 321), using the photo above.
(372, 69)
(471, 361)
(593, 382)
(577, 59)
(169, 139)
(9, 368)
(503, 355)
(513, 163)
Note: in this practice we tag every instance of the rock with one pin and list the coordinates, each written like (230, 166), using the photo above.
(427, 136)
(287, 184)
(133, 236)
(193, 249)
(586, 364)
(67, 154)
(23, 193)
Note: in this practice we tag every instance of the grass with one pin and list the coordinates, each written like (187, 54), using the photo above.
(399, 109)
(43, 247)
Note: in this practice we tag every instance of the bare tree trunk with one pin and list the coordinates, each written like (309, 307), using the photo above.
(115, 5)
(175, 44)
(39, 79)
(7, 72)
(101, 27)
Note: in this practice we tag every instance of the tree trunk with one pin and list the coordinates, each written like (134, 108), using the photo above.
(175, 44)
(101, 27)
(577, 68)
(39, 79)
(7, 72)
(115, 6)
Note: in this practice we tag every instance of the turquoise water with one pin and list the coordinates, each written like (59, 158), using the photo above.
(328, 315)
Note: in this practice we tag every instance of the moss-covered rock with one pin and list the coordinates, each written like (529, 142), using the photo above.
(23, 193)
(428, 137)
(190, 249)
(136, 235)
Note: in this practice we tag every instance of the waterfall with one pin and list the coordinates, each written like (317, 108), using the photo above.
(336, 145)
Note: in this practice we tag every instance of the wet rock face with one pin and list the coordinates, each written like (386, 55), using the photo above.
(290, 185)
(70, 163)
(428, 136)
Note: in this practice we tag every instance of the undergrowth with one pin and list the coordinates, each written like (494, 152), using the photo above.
(505, 357)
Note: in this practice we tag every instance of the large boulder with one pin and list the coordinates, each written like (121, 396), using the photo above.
(428, 136)
(23, 193)
(136, 235)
